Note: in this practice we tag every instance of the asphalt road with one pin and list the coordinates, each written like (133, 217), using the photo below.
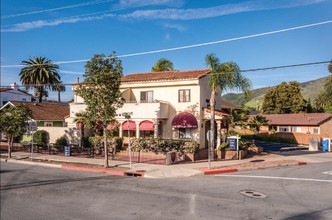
(299, 192)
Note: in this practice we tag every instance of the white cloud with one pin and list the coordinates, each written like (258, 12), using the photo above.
(200, 13)
(170, 14)
(137, 3)
(71, 72)
(177, 27)
(42, 23)
(167, 36)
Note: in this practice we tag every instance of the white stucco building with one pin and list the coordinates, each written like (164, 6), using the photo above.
(170, 104)
(13, 93)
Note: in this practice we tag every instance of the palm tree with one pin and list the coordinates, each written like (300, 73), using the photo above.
(59, 87)
(162, 65)
(223, 77)
(81, 120)
(258, 121)
(44, 94)
(39, 73)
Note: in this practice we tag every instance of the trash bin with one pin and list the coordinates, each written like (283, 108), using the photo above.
(326, 144)
(67, 151)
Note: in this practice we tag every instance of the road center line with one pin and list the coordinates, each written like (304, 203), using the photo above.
(275, 177)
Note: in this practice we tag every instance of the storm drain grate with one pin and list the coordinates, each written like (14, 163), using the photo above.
(253, 194)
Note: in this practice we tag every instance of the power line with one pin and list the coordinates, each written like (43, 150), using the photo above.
(56, 9)
(243, 71)
(286, 66)
(195, 45)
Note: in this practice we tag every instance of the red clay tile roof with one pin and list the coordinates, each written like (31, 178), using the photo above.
(165, 76)
(216, 112)
(47, 111)
(229, 105)
(304, 119)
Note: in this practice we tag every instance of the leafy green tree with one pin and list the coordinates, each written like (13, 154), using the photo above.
(285, 98)
(330, 67)
(162, 65)
(59, 87)
(41, 137)
(257, 122)
(223, 77)
(13, 123)
(324, 100)
(39, 73)
(101, 91)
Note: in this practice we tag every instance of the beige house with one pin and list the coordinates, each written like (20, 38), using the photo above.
(306, 123)
(49, 117)
(170, 104)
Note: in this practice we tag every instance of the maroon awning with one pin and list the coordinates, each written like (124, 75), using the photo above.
(184, 120)
(132, 126)
(146, 126)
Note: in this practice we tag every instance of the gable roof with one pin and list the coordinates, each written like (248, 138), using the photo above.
(46, 111)
(303, 119)
(9, 89)
(165, 76)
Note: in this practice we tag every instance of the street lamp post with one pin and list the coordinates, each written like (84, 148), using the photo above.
(128, 116)
(32, 126)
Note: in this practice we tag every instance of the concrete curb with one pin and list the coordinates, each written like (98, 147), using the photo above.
(232, 170)
(31, 163)
(92, 169)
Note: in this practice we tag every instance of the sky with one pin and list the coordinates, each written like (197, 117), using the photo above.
(254, 34)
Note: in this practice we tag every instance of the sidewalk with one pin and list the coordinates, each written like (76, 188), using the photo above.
(176, 170)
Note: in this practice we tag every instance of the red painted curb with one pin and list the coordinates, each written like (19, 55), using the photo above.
(91, 169)
(216, 171)
(302, 163)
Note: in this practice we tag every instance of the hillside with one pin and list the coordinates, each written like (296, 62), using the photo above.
(309, 90)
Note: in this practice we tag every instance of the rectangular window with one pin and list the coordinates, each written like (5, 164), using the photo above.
(184, 133)
(283, 129)
(146, 96)
(24, 99)
(316, 131)
(296, 129)
(48, 124)
(184, 95)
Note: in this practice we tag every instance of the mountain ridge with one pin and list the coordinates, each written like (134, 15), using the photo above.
(309, 90)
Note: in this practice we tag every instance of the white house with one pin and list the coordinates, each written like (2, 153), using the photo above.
(170, 104)
(13, 93)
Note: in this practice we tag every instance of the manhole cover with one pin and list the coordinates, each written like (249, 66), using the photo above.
(253, 194)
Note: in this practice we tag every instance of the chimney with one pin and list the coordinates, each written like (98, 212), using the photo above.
(14, 86)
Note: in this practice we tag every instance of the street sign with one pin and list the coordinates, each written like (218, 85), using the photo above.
(33, 126)
(232, 143)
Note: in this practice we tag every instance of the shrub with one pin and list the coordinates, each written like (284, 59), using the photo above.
(163, 146)
(41, 137)
(61, 141)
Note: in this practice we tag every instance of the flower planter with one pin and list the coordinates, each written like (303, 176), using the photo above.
(232, 155)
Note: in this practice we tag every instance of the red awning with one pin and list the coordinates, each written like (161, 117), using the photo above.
(112, 126)
(132, 126)
(184, 120)
(146, 126)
